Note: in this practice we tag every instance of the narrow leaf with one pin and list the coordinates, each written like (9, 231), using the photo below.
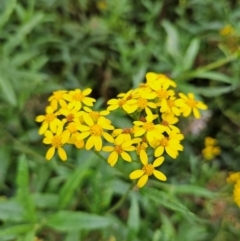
(134, 214)
(14, 231)
(214, 91)
(10, 5)
(8, 91)
(66, 221)
(23, 194)
(191, 54)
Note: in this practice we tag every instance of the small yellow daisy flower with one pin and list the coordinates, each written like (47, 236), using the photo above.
(76, 140)
(120, 148)
(148, 128)
(96, 132)
(77, 98)
(95, 114)
(70, 114)
(154, 79)
(123, 134)
(233, 177)
(172, 105)
(189, 105)
(49, 120)
(170, 144)
(148, 170)
(56, 142)
(168, 121)
(57, 99)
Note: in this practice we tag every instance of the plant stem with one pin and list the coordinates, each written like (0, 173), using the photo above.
(121, 200)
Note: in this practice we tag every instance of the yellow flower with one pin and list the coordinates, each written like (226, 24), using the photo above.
(95, 131)
(170, 144)
(123, 134)
(236, 193)
(158, 79)
(233, 177)
(120, 148)
(189, 104)
(172, 105)
(78, 97)
(70, 114)
(56, 142)
(168, 121)
(211, 149)
(76, 140)
(96, 114)
(57, 99)
(227, 30)
(49, 120)
(147, 127)
(148, 170)
(141, 147)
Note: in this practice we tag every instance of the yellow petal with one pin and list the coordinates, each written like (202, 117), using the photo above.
(108, 137)
(196, 113)
(98, 143)
(50, 153)
(142, 181)
(125, 156)
(40, 118)
(88, 120)
(159, 151)
(112, 159)
(158, 161)
(43, 128)
(62, 154)
(159, 175)
(108, 148)
(89, 143)
(136, 174)
(172, 153)
(87, 91)
(144, 158)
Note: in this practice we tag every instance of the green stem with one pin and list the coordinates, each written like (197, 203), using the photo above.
(121, 200)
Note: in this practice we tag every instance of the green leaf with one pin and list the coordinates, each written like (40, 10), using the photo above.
(212, 75)
(74, 182)
(8, 91)
(14, 231)
(172, 42)
(45, 200)
(23, 195)
(134, 214)
(191, 54)
(4, 17)
(166, 200)
(11, 210)
(214, 91)
(22, 32)
(66, 221)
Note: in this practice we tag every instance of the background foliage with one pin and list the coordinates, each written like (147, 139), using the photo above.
(109, 46)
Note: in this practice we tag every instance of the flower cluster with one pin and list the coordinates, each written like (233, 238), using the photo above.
(234, 178)
(154, 107)
(211, 149)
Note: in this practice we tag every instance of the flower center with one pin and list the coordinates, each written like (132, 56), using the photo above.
(140, 147)
(72, 127)
(148, 169)
(96, 130)
(56, 141)
(148, 126)
(121, 102)
(94, 115)
(118, 149)
(79, 144)
(162, 94)
(58, 95)
(127, 131)
(50, 117)
(78, 96)
(164, 123)
(142, 103)
(70, 117)
(170, 103)
(164, 142)
(192, 103)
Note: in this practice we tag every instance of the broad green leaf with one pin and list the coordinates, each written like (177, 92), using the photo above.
(172, 42)
(7, 91)
(11, 210)
(168, 201)
(134, 213)
(66, 221)
(4, 17)
(73, 183)
(191, 54)
(45, 200)
(23, 194)
(214, 91)
(14, 231)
